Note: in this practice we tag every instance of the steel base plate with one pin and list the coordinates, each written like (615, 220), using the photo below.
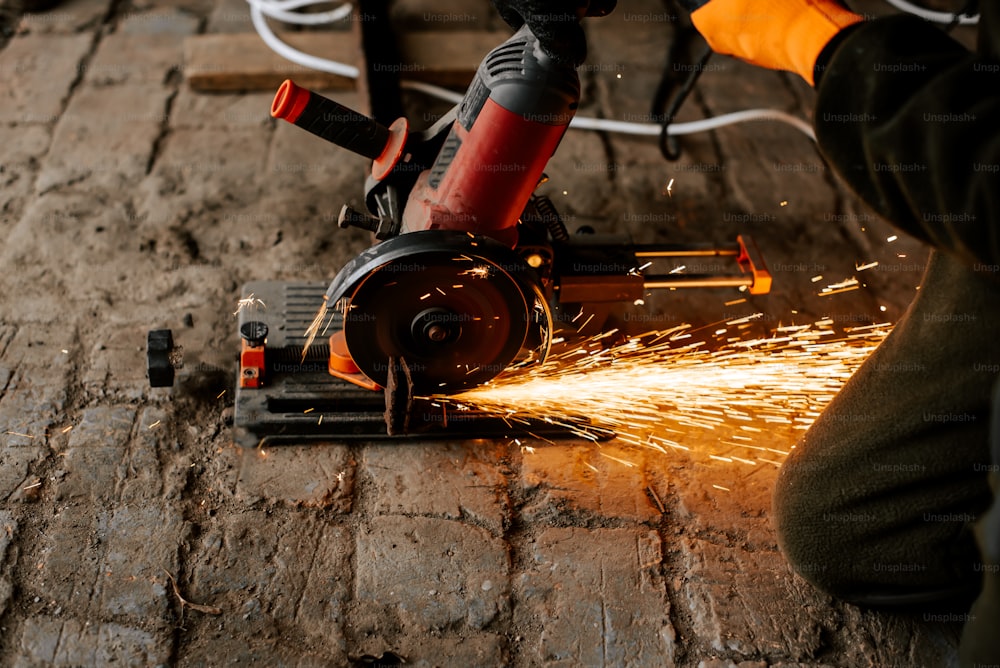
(300, 402)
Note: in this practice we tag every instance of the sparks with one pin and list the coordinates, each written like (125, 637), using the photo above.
(843, 286)
(313, 330)
(667, 383)
(481, 271)
(250, 303)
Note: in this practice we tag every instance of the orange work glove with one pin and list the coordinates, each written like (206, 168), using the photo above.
(777, 34)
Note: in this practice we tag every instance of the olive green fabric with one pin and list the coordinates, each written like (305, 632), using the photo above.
(910, 119)
(879, 503)
(876, 504)
(981, 635)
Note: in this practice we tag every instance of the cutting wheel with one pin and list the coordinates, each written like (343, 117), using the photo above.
(456, 318)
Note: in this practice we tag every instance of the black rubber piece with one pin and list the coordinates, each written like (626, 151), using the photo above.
(159, 346)
(254, 332)
(398, 397)
(344, 127)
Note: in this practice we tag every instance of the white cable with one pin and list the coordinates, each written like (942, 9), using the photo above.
(690, 127)
(644, 129)
(294, 55)
(278, 9)
(432, 90)
(930, 15)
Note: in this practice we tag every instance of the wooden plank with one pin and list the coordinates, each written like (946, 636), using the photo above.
(446, 58)
(358, 40)
(241, 61)
(226, 62)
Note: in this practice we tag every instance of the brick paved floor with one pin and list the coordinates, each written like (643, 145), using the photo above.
(129, 202)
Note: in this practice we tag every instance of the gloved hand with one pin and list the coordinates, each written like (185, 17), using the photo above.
(556, 23)
(777, 34)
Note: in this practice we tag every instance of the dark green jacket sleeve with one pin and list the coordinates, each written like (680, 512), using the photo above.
(911, 120)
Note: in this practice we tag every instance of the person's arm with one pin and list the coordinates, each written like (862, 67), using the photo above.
(911, 120)
(907, 116)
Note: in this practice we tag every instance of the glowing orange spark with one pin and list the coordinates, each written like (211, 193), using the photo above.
(843, 286)
(651, 387)
(315, 326)
(250, 302)
(481, 271)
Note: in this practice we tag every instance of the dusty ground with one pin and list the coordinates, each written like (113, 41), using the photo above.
(130, 202)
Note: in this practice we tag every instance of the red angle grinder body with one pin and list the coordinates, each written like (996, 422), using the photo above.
(509, 123)
(485, 167)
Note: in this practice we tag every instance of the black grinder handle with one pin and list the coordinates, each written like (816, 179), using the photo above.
(330, 120)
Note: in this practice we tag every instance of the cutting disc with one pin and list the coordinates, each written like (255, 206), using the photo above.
(456, 318)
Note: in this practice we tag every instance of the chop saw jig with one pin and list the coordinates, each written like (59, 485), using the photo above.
(470, 272)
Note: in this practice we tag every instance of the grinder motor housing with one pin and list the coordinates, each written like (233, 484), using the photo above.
(508, 125)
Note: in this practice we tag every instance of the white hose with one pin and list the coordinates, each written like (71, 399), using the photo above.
(432, 90)
(645, 129)
(279, 9)
(294, 55)
(691, 127)
(930, 15)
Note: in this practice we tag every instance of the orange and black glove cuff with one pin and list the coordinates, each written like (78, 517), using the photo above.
(777, 34)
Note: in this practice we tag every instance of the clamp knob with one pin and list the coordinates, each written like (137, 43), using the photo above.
(162, 357)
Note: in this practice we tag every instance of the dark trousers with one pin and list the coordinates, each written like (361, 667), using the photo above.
(879, 503)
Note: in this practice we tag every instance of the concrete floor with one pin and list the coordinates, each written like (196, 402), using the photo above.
(129, 202)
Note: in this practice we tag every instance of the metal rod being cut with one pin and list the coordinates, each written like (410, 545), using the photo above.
(696, 281)
(687, 252)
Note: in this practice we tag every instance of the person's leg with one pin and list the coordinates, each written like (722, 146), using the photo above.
(981, 635)
(875, 504)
